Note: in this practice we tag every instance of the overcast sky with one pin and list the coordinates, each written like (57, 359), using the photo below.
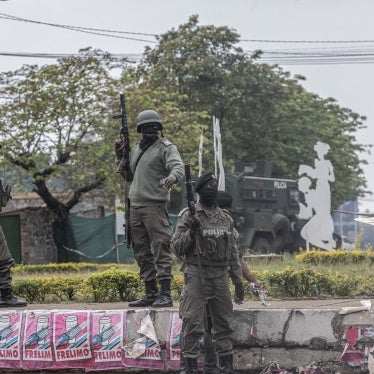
(351, 84)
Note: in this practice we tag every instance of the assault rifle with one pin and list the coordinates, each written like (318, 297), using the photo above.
(123, 166)
(190, 198)
(191, 208)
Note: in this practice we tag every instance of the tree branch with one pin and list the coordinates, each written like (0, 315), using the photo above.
(78, 193)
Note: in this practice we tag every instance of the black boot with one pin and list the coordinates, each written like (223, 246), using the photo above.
(164, 298)
(226, 364)
(182, 366)
(191, 365)
(8, 300)
(151, 294)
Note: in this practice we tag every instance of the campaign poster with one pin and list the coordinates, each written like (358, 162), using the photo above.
(107, 339)
(10, 333)
(37, 340)
(71, 339)
(358, 345)
(141, 346)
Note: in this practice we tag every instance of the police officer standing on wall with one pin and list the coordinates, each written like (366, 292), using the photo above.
(155, 165)
(7, 300)
(207, 243)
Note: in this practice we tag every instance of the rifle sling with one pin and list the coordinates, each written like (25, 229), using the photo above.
(141, 154)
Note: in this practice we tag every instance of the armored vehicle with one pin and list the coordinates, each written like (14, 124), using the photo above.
(265, 209)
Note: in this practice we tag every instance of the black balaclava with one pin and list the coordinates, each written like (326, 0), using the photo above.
(224, 200)
(207, 188)
(149, 135)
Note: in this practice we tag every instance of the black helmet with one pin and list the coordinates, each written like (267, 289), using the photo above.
(148, 116)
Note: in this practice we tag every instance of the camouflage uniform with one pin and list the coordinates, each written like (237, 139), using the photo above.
(207, 282)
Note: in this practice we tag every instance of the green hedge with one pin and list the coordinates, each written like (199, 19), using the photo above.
(316, 257)
(306, 283)
(108, 286)
(53, 268)
(115, 285)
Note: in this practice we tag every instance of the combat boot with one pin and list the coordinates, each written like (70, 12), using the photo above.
(182, 366)
(151, 294)
(226, 364)
(7, 300)
(164, 298)
(211, 369)
(191, 365)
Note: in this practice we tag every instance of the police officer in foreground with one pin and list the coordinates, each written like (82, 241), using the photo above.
(7, 300)
(155, 165)
(224, 201)
(207, 243)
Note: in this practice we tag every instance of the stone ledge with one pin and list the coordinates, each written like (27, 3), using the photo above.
(292, 333)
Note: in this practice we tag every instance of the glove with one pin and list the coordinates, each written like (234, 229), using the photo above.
(168, 182)
(239, 293)
(119, 146)
(193, 225)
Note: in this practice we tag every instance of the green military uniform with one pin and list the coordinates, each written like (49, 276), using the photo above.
(206, 277)
(6, 262)
(151, 229)
(153, 166)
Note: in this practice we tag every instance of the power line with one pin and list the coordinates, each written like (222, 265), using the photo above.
(316, 57)
(303, 56)
(132, 57)
(306, 41)
(267, 57)
(97, 31)
(86, 30)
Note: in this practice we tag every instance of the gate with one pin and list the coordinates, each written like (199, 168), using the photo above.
(12, 232)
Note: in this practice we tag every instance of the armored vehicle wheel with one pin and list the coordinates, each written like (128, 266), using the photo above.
(262, 245)
(281, 230)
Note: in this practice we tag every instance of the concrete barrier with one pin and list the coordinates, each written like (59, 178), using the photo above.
(295, 334)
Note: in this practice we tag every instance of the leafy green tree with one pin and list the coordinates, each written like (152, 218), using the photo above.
(54, 126)
(264, 112)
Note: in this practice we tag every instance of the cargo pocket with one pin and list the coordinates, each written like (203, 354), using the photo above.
(210, 246)
(164, 219)
(222, 247)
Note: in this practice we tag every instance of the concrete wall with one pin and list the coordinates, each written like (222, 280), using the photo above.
(37, 244)
(303, 340)
(292, 338)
